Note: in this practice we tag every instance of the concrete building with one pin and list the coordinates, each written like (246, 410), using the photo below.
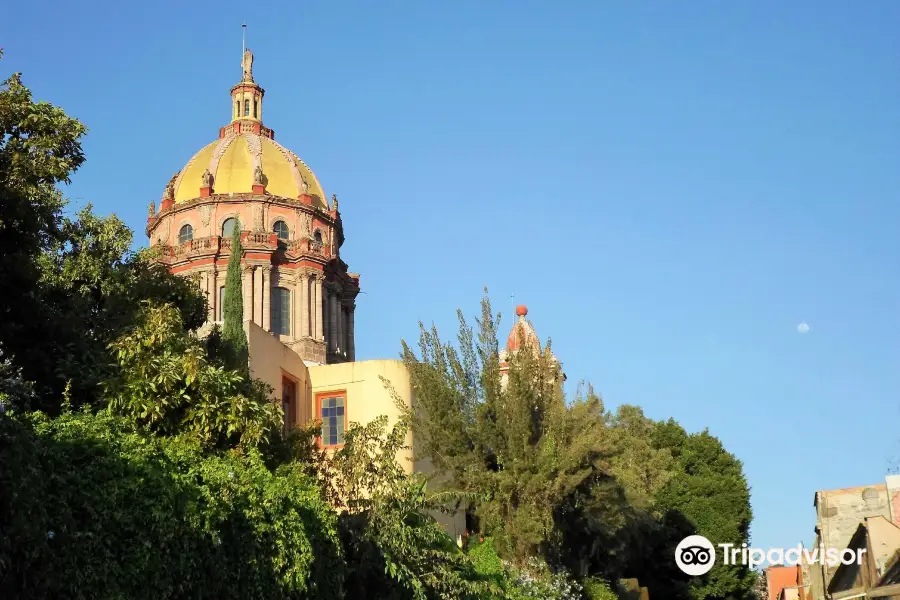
(858, 517)
(880, 538)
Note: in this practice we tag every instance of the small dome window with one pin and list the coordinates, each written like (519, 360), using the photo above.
(318, 236)
(185, 234)
(281, 230)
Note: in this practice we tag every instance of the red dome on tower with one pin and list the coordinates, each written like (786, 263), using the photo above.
(522, 332)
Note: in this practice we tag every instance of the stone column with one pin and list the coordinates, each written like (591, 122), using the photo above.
(332, 320)
(340, 346)
(301, 305)
(266, 297)
(247, 285)
(317, 308)
(351, 342)
(213, 298)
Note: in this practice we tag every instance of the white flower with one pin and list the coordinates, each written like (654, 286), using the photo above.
(50, 535)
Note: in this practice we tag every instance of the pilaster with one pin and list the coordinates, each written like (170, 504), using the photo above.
(257, 295)
(317, 307)
(247, 288)
(351, 327)
(265, 297)
(301, 305)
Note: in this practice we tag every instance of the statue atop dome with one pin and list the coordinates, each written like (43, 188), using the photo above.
(247, 65)
(258, 175)
(206, 178)
(334, 204)
(151, 210)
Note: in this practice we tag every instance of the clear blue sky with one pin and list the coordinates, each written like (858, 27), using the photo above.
(671, 187)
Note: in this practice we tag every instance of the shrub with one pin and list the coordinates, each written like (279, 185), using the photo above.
(92, 508)
(597, 589)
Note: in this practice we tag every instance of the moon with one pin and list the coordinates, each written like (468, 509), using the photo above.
(802, 328)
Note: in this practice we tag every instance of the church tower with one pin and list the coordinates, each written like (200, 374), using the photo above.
(295, 285)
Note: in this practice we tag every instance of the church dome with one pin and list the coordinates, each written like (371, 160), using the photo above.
(232, 161)
(246, 159)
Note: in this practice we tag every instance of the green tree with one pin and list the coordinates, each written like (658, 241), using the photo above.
(678, 484)
(90, 291)
(521, 447)
(39, 147)
(394, 547)
(166, 382)
(70, 285)
(710, 490)
(233, 334)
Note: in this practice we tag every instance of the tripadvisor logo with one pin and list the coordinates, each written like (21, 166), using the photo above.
(695, 555)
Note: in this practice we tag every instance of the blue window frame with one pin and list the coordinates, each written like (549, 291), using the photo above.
(332, 411)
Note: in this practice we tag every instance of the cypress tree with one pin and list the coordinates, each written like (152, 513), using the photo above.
(233, 335)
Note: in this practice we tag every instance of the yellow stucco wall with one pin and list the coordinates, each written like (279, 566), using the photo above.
(270, 360)
(368, 398)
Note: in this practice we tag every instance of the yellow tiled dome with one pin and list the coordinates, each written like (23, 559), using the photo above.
(232, 161)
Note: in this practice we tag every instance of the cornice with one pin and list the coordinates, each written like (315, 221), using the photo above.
(242, 198)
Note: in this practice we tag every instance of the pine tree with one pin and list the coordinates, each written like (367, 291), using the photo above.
(233, 335)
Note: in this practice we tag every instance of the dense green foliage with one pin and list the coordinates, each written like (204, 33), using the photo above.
(590, 492)
(70, 285)
(233, 335)
(92, 508)
(167, 383)
(395, 549)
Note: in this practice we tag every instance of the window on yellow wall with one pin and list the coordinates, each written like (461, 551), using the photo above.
(332, 409)
(246, 108)
(254, 109)
(288, 402)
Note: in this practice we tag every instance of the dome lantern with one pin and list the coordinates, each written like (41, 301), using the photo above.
(247, 103)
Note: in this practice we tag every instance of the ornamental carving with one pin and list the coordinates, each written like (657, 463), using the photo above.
(306, 222)
(258, 218)
(205, 214)
(170, 191)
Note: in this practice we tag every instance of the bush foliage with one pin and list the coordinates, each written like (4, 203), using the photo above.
(90, 507)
